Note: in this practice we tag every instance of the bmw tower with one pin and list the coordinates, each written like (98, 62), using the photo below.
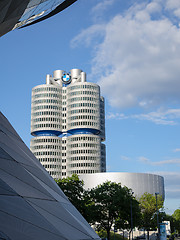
(68, 125)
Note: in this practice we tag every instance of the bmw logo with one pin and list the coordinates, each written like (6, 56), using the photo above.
(66, 78)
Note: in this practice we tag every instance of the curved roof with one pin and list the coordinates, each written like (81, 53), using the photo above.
(22, 13)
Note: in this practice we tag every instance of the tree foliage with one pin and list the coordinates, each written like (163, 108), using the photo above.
(176, 220)
(111, 205)
(124, 222)
(148, 210)
(73, 189)
(176, 214)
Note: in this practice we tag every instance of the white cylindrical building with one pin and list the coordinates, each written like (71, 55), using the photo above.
(83, 107)
(140, 183)
(68, 124)
(83, 154)
(48, 150)
(46, 110)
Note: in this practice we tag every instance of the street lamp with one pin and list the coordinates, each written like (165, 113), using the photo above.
(156, 193)
(131, 217)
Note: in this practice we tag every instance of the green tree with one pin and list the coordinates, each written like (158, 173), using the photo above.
(148, 210)
(132, 217)
(176, 218)
(73, 189)
(110, 204)
(176, 214)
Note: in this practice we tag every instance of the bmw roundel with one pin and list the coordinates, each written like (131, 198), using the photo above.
(66, 78)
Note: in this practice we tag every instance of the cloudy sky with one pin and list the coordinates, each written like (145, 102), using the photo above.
(131, 48)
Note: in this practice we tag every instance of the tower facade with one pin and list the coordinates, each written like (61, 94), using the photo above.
(68, 125)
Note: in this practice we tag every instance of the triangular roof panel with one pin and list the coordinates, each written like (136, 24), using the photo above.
(32, 206)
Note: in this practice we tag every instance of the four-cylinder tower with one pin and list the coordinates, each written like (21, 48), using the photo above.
(68, 125)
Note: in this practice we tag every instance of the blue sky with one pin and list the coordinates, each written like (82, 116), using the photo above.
(131, 48)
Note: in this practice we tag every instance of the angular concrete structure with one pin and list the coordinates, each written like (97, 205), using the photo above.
(32, 206)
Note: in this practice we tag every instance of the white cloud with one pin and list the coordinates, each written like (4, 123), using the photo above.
(155, 117)
(154, 7)
(169, 161)
(175, 161)
(102, 6)
(161, 116)
(144, 159)
(125, 158)
(143, 70)
(119, 116)
(88, 35)
(173, 5)
(177, 150)
(139, 57)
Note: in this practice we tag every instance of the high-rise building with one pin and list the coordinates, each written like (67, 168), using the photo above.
(68, 125)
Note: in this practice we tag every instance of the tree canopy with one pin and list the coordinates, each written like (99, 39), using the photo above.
(176, 214)
(73, 189)
(148, 210)
(111, 205)
(176, 220)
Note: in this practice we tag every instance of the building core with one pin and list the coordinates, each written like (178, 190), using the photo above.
(68, 125)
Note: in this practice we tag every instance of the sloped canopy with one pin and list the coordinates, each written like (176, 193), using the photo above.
(32, 206)
(21, 13)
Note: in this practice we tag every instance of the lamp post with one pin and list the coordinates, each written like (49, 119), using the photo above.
(131, 217)
(157, 215)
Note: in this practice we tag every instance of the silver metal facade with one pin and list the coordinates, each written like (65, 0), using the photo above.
(138, 182)
(68, 125)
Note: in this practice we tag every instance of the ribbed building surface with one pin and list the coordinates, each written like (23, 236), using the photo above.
(32, 206)
(68, 125)
(140, 183)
